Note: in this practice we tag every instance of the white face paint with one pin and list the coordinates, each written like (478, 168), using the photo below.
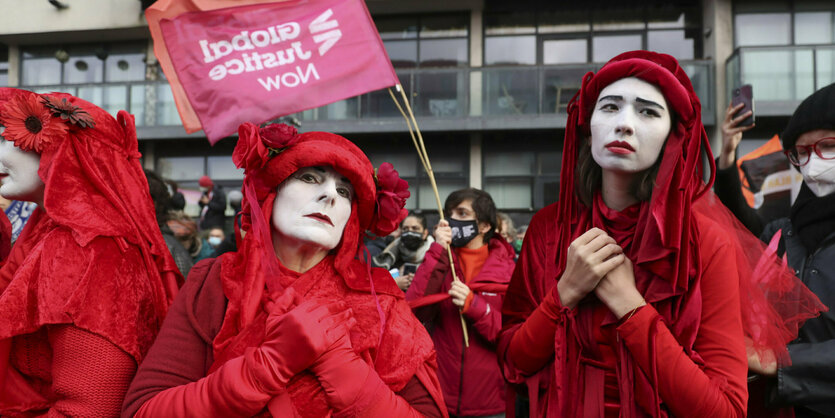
(629, 125)
(818, 174)
(312, 207)
(19, 178)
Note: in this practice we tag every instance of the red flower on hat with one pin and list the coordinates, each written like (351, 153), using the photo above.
(29, 124)
(392, 192)
(279, 135)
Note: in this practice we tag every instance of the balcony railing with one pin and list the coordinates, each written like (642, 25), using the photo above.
(781, 76)
(443, 99)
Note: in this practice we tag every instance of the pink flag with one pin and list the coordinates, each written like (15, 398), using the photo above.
(256, 62)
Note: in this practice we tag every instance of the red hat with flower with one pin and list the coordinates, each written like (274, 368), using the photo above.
(270, 154)
(95, 187)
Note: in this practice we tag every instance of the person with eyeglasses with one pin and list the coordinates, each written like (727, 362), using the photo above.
(807, 239)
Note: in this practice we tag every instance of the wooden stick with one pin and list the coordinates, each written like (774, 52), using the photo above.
(420, 146)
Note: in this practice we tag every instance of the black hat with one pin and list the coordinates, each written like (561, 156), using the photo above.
(816, 112)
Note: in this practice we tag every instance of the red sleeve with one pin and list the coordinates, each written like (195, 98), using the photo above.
(485, 315)
(419, 398)
(428, 280)
(717, 388)
(90, 375)
(528, 287)
(181, 353)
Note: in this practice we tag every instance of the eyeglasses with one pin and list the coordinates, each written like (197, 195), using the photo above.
(824, 148)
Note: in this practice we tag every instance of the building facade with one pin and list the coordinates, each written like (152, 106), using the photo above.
(489, 80)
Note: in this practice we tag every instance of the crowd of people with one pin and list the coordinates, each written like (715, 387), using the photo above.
(639, 293)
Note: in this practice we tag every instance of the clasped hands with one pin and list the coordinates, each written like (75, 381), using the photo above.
(299, 333)
(596, 263)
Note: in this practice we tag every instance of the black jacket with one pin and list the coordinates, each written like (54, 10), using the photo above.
(809, 383)
(214, 216)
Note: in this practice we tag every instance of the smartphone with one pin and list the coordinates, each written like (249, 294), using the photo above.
(744, 94)
(409, 268)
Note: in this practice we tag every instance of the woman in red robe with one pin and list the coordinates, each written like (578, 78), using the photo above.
(295, 323)
(88, 282)
(633, 294)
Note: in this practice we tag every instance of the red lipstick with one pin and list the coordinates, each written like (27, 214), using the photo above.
(620, 147)
(321, 217)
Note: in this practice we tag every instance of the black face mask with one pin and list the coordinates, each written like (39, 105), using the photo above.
(411, 240)
(462, 232)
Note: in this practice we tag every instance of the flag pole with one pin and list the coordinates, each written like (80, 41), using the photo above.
(420, 147)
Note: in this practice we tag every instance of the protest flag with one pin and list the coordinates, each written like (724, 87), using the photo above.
(235, 61)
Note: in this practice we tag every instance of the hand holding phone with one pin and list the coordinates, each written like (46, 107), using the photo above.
(744, 94)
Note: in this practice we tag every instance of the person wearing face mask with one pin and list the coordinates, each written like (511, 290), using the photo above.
(87, 284)
(806, 381)
(295, 323)
(406, 252)
(216, 237)
(470, 376)
(636, 295)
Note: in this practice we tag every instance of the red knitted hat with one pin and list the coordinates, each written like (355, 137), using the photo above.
(205, 181)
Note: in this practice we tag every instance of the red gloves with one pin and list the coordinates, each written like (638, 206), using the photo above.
(353, 388)
(532, 346)
(244, 385)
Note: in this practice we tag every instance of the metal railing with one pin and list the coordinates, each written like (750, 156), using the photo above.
(782, 74)
(447, 94)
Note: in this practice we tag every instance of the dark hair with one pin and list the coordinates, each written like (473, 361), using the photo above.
(420, 217)
(160, 196)
(483, 206)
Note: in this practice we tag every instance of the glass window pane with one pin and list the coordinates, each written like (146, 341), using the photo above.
(446, 164)
(426, 197)
(550, 162)
(825, 61)
(605, 48)
(509, 23)
(405, 164)
(509, 164)
(510, 194)
(397, 27)
(779, 75)
(444, 26)
(762, 29)
(403, 54)
(561, 84)
(510, 50)
(565, 51)
(180, 168)
(443, 53)
(84, 66)
(222, 168)
(510, 92)
(673, 42)
(618, 18)
(813, 28)
(39, 67)
(441, 94)
(564, 21)
(125, 63)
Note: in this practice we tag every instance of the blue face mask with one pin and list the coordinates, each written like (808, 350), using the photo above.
(462, 231)
(215, 241)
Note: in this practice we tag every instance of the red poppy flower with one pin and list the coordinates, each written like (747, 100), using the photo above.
(279, 135)
(392, 192)
(250, 152)
(29, 124)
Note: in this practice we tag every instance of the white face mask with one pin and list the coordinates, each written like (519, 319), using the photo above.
(629, 125)
(312, 207)
(819, 175)
(215, 241)
(19, 178)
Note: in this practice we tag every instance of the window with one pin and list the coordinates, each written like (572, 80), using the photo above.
(590, 35)
(426, 41)
(522, 179)
(83, 64)
(448, 157)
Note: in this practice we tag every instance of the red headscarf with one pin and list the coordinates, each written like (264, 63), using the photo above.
(96, 209)
(664, 241)
(270, 155)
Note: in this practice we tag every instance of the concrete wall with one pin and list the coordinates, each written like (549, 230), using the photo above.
(718, 46)
(37, 21)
